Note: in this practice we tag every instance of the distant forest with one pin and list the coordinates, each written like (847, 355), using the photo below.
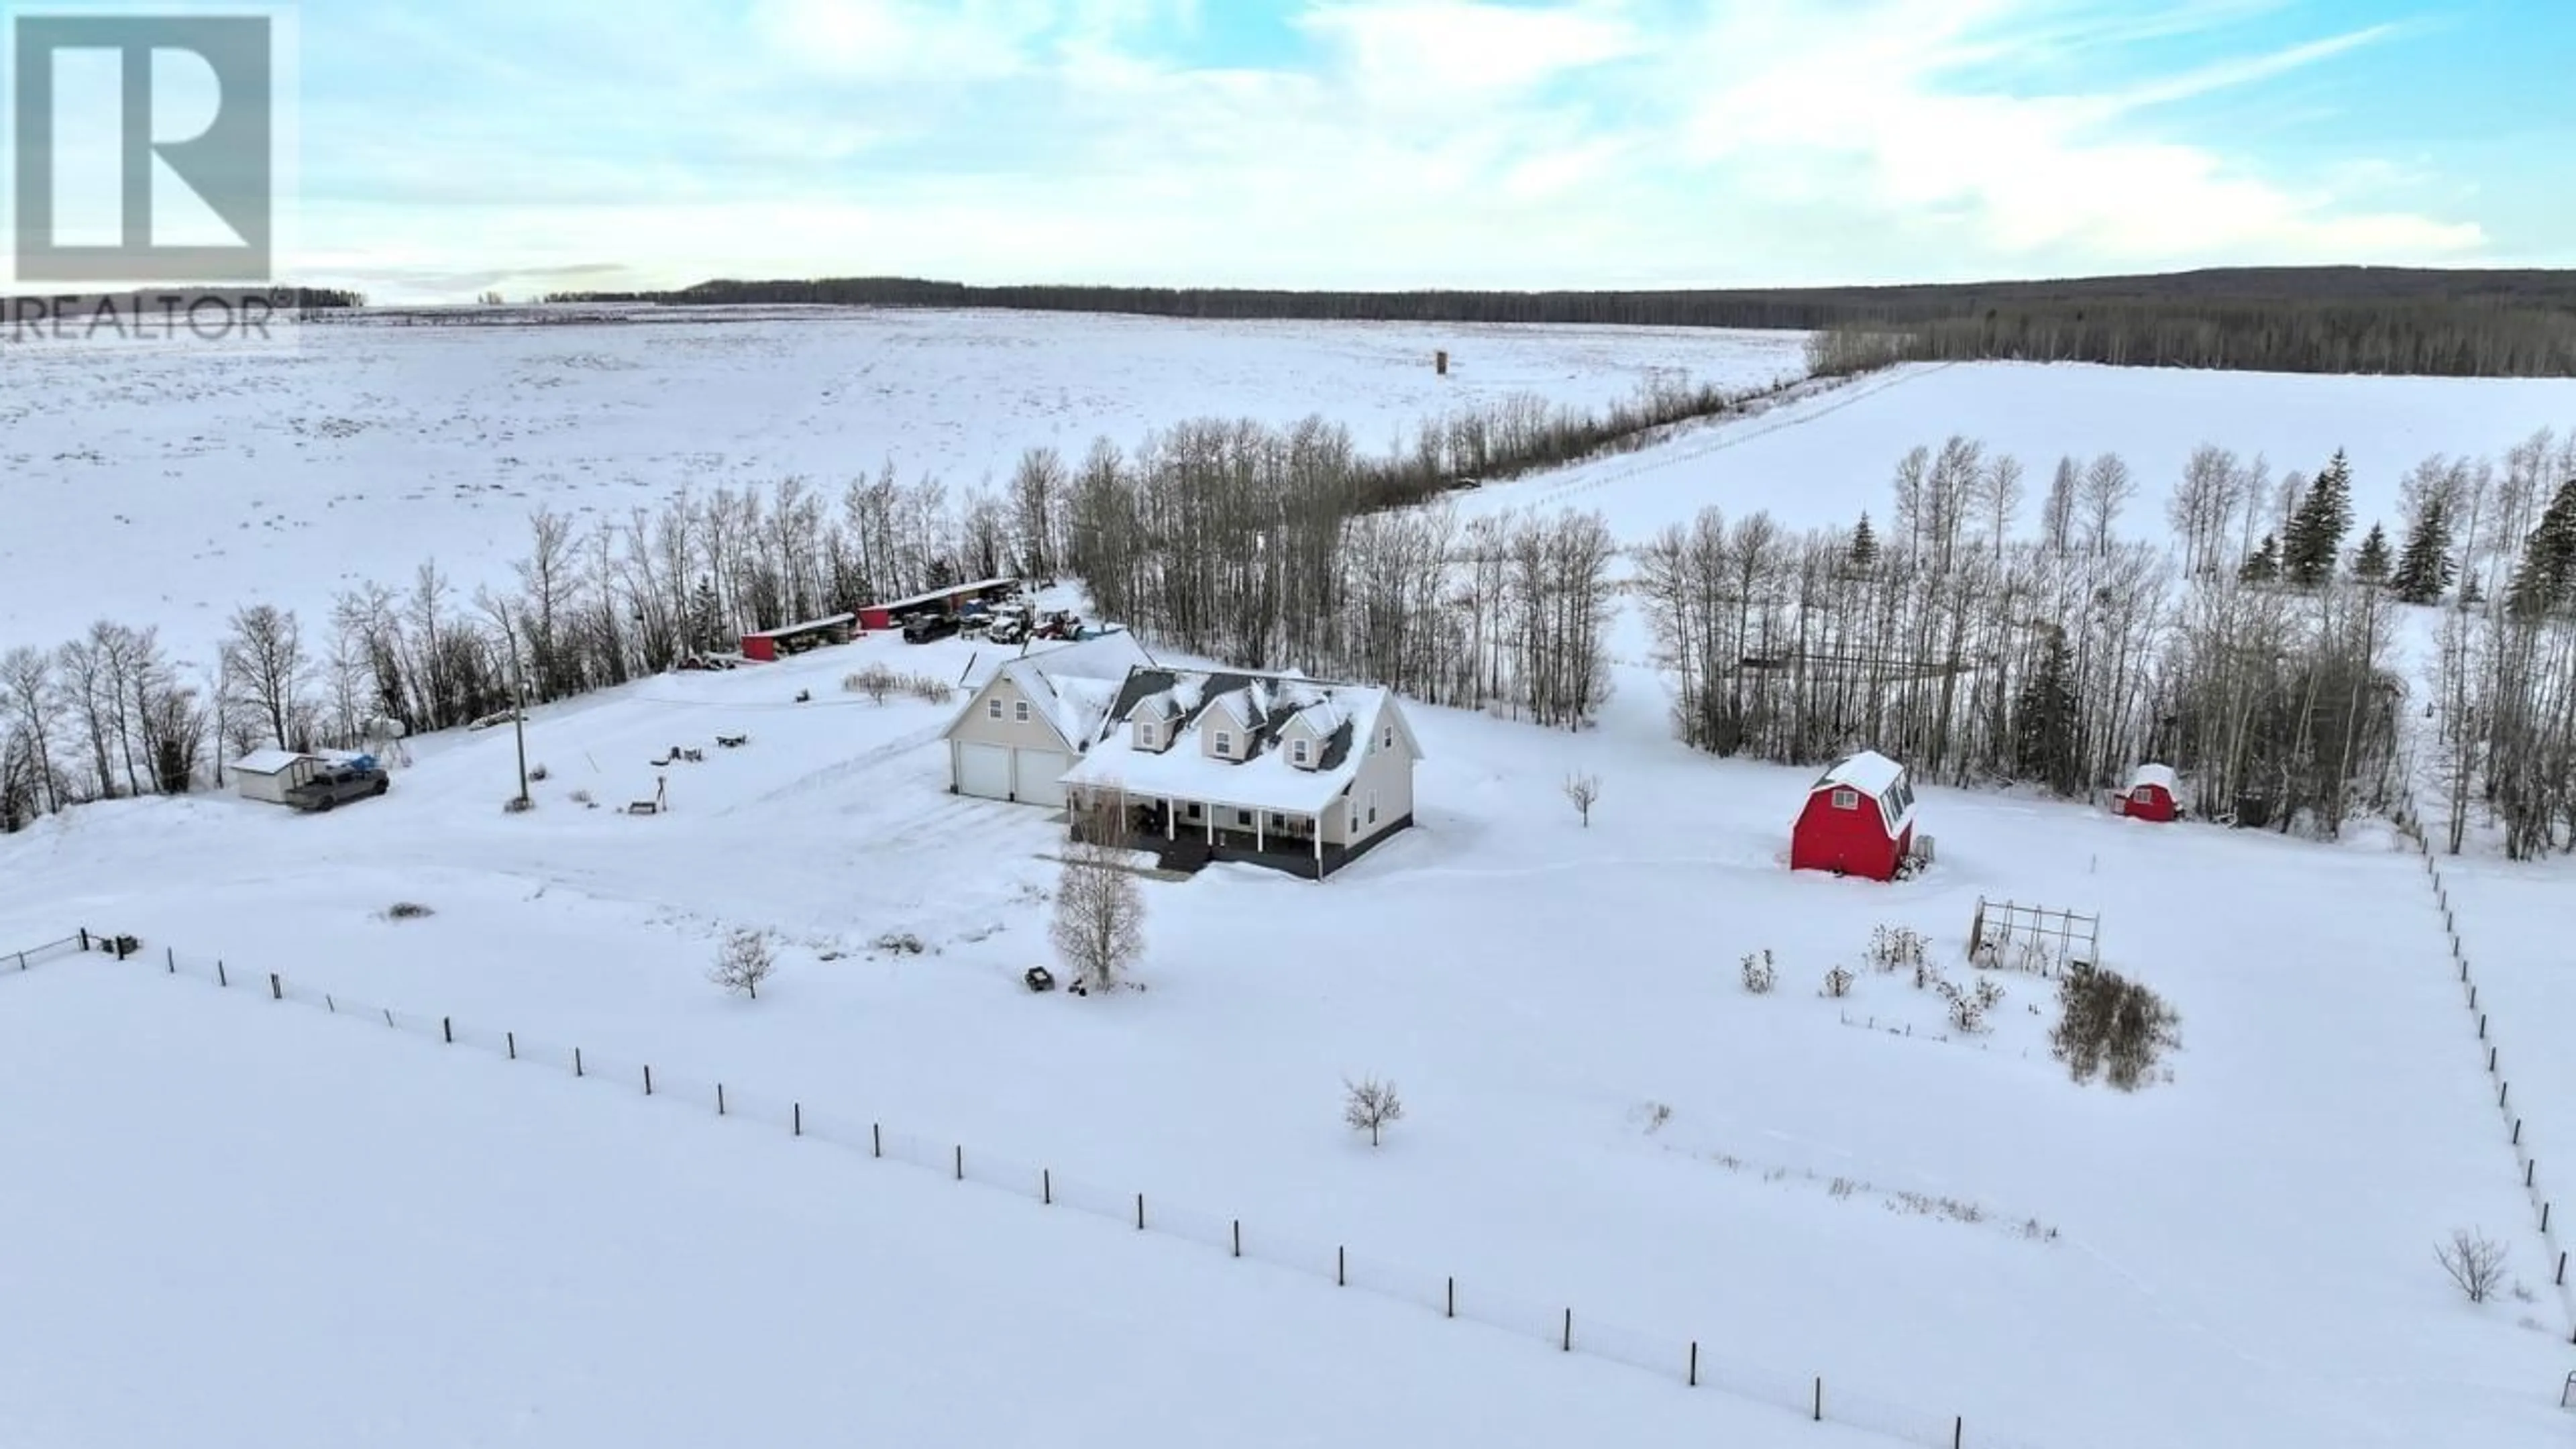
(2289, 319)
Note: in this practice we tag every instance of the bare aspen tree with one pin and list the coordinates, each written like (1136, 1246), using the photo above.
(266, 668)
(2475, 1263)
(1370, 1106)
(2108, 487)
(1999, 499)
(2057, 513)
(1582, 790)
(1099, 926)
(743, 961)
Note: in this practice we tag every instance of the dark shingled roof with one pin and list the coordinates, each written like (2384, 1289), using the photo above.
(1144, 682)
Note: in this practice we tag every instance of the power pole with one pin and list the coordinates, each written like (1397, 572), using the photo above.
(518, 710)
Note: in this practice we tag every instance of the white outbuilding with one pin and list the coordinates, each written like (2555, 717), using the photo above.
(268, 774)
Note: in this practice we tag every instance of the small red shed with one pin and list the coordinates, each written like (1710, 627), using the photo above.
(1859, 819)
(2152, 795)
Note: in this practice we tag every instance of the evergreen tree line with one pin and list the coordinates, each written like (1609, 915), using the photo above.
(1979, 653)
(1191, 537)
(2323, 319)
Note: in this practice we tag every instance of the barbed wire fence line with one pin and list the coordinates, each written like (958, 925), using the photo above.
(1679, 1358)
(2509, 1109)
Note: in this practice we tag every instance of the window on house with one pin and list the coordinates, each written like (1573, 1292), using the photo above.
(1243, 817)
(993, 709)
(1194, 810)
(1278, 821)
(1297, 752)
(1224, 743)
(1145, 734)
(1372, 818)
(1020, 711)
(1846, 799)
(1386, 739)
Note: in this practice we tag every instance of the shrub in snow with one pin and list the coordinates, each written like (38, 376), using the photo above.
(929, 690)
(1369, 1105)
(876, 682)
(899, 943)
(2111, 1026)
(517, 803)
(2036, 958)
(406, 911)
(743, 962)
(1893, 948)
(1759, 974)
(536, 772)
(2475, 1263)
(1655, 1115)
(1838, 982)
(1969, 1006)
(581, 797)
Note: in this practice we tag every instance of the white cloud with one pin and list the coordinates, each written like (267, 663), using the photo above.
(1459, 143)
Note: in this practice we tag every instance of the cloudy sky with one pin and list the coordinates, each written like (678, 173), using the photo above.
(1400, 143)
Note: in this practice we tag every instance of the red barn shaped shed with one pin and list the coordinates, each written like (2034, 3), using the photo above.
(2152, 795)
(1859, 819)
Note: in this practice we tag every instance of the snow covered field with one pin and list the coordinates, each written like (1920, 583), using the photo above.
(1938, 1227)
(208, 1251)
(1818, 463)
(167, 487)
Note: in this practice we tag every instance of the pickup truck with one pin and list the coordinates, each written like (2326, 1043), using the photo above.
(329, 787)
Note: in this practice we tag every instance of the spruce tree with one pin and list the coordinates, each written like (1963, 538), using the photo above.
(2546, 577)
(2370, 563)
(2045, 716)
(2263, 565)
(1864, 543)
(2314, 544)
(2425, 567)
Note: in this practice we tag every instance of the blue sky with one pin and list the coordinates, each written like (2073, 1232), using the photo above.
(528, 144)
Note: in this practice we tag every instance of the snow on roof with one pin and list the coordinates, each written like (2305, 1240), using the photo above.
(2160, 776)
(1076, 684)
(1868, 771)
(1258, 704)
(270, 761)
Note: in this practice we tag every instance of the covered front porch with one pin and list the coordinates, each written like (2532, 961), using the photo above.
(1187, 834)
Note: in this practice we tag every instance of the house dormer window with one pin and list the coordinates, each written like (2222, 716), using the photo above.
(1145, 733)
(1301, 752)
(1224, 743)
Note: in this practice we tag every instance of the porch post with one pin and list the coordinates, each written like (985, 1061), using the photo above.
(1319, 844)
(1170, 830)
(1210, 807)
(1260, 830)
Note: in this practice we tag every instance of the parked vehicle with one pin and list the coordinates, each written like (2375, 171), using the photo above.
(923, 628)
(341, 782)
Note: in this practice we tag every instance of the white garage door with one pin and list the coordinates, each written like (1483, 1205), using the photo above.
(1038, 782)
(983, 771)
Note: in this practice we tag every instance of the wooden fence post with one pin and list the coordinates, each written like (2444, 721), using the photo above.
(389, 1018)
(2530, 1165)
(220, 978)
(510, 1039)
(1046, 1187)
(1140, 1212)
(1693, 1379)
(1568, 1341)
(2517, 1132)
(1453, 1297)
(276, 988)
(330, 1005)
(1958, 1430)
(876, 1139)
(2544, 1227)
(961, 1162)
(648, 1079)
(447, 1029)
(2562, 1261)
(1238, 1237)
(720, 1111)
(576, 1061)
(84, 935)
(797, 1119)
(1820, 1398)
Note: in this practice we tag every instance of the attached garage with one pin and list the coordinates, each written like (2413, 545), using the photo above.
(1037, 776)
(983, 771)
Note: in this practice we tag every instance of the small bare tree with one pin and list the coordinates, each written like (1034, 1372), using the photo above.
(1099, 918)
(1099, 816)
(1369, 1105)
(2474, 1261)
(1582, 790)
(743, 962)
